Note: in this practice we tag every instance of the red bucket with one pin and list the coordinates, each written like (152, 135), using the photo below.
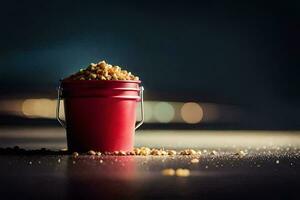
(100, 115)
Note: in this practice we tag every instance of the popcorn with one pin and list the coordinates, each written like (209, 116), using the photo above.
(214, 153)
(119, 153)
(182, 172)
(178, 172)
(146, 151)
(168, 172)
(195, 160)
(171, 152)
(91, 152)
(75, 154)
(103, 71)
(98, 153)
(155, 152)
(188, 152)
(241, 153)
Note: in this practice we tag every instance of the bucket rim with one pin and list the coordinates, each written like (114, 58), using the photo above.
(98, 81)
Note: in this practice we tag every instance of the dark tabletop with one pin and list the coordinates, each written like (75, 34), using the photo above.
(269, 170)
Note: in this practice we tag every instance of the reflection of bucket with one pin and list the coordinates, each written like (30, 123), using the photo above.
(100, 115)
(107, 177)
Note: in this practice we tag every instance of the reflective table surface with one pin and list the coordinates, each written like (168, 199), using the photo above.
(268, 170)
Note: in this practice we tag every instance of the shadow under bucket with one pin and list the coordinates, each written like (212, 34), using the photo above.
(100, 115)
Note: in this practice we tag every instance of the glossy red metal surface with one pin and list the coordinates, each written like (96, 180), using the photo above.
(100, 115)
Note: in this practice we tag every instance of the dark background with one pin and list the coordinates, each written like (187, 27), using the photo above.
(234, 53)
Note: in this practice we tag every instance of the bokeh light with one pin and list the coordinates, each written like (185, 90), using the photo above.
(192, 113)
(148, 111)
(43, 108)
(164, 112)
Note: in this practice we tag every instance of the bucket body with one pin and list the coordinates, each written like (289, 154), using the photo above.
(100, 115)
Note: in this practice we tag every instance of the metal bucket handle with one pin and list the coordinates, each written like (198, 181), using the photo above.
(63, 123)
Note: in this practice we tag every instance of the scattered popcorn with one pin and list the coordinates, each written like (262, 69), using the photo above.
(215, 153)
(120, 153)
(178, 172)
(171, 152)
(144, 151)
(108, 153)
(241, 153)
(188, 152)
(130, 153)
(195, 160)
(75, 154)
(168, 172)
(136, 151)
(182, 172)
(98, 153)
(91, 152)
(164, 153)
(155, 152)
